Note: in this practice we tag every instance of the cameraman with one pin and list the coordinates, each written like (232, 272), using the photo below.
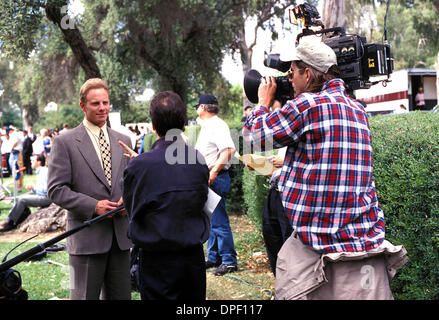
(337, 247)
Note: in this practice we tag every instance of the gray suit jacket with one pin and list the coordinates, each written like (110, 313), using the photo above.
(76, 182)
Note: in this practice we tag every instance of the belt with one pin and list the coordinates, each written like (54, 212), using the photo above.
(223, 171)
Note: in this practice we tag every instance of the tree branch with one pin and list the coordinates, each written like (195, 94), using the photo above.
(75, 40)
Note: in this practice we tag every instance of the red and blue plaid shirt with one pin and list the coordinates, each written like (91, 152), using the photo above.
(326, 182)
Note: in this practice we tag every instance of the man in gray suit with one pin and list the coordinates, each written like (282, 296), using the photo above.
(85, 170)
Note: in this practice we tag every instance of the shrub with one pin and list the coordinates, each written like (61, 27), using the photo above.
(406, 173)
(406, 153)
(255, 190)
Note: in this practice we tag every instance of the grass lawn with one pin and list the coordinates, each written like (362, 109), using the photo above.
(8, 183)
(49, 277)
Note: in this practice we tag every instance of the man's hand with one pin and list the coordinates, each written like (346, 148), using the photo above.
(223, 158)
(122, 212)
(212, 176)
(130, 153)
(276, 161)
(103, 206)
(266, 91)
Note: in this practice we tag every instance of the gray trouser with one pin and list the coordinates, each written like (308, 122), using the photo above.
(105, 276)
(26, 200)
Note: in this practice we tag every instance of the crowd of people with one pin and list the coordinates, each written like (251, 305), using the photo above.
(25, 153)
(322, 223)
(19, 145)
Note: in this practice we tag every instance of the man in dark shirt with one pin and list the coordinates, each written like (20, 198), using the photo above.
(164, 192)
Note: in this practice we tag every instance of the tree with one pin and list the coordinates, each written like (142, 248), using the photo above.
(333, 14)
(171, 41)
(8, 93)
(22, 19)
(265, 13)
(47, 70)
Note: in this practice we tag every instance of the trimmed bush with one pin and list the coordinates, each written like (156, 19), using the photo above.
(406, 172)
(255, 190)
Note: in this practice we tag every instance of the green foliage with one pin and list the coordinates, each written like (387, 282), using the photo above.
(413, 33)
(173, 43)
(406, 173)
(11, 116)
(71, 114)
(148, 141)
(255, 190)
(19, 20)
(192, 133)
(406, 149)
(235, 201)
(230, 100)
(137, 111)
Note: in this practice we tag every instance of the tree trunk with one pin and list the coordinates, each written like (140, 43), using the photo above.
(49, 219)
(246, 54)
(75, 40)
(333, 14)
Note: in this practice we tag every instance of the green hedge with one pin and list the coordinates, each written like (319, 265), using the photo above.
(406, 155)
(255, 190)
(406, 172)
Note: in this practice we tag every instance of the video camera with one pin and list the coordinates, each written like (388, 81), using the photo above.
(357, 60)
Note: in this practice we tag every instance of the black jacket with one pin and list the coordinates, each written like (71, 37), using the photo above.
(164, 199)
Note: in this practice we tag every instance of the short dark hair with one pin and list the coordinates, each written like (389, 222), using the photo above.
(41, 158)
(167, 112)
(211, 108)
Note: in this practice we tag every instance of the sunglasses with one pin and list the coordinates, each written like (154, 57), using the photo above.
(290, 73)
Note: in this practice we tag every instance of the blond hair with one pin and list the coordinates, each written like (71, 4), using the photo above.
(93, 83)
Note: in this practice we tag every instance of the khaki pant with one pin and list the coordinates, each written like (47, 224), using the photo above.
(302, 273)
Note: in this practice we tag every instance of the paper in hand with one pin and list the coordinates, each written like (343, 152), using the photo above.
(261, 164)
(212, 202)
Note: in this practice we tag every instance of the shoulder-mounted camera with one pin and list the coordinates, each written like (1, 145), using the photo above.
(357, 60)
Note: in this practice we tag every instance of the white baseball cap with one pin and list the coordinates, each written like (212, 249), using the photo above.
(313, 51)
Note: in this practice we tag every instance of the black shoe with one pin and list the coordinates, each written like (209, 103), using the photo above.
(224, 268)
(210, 264)
(6, 226)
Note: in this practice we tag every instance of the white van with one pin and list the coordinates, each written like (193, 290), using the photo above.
(400, 92)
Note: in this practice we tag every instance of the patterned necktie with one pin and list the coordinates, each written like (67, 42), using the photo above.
(106, 156)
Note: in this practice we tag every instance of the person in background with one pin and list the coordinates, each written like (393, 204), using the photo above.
(27, 152)
(47, 142)
(65, 128)
(6, 148)
(37, 197)
(247, 110)
(16, 155)
(216, 145)
(419, 98)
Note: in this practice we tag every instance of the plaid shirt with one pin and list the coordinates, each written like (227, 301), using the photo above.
(326, 182)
